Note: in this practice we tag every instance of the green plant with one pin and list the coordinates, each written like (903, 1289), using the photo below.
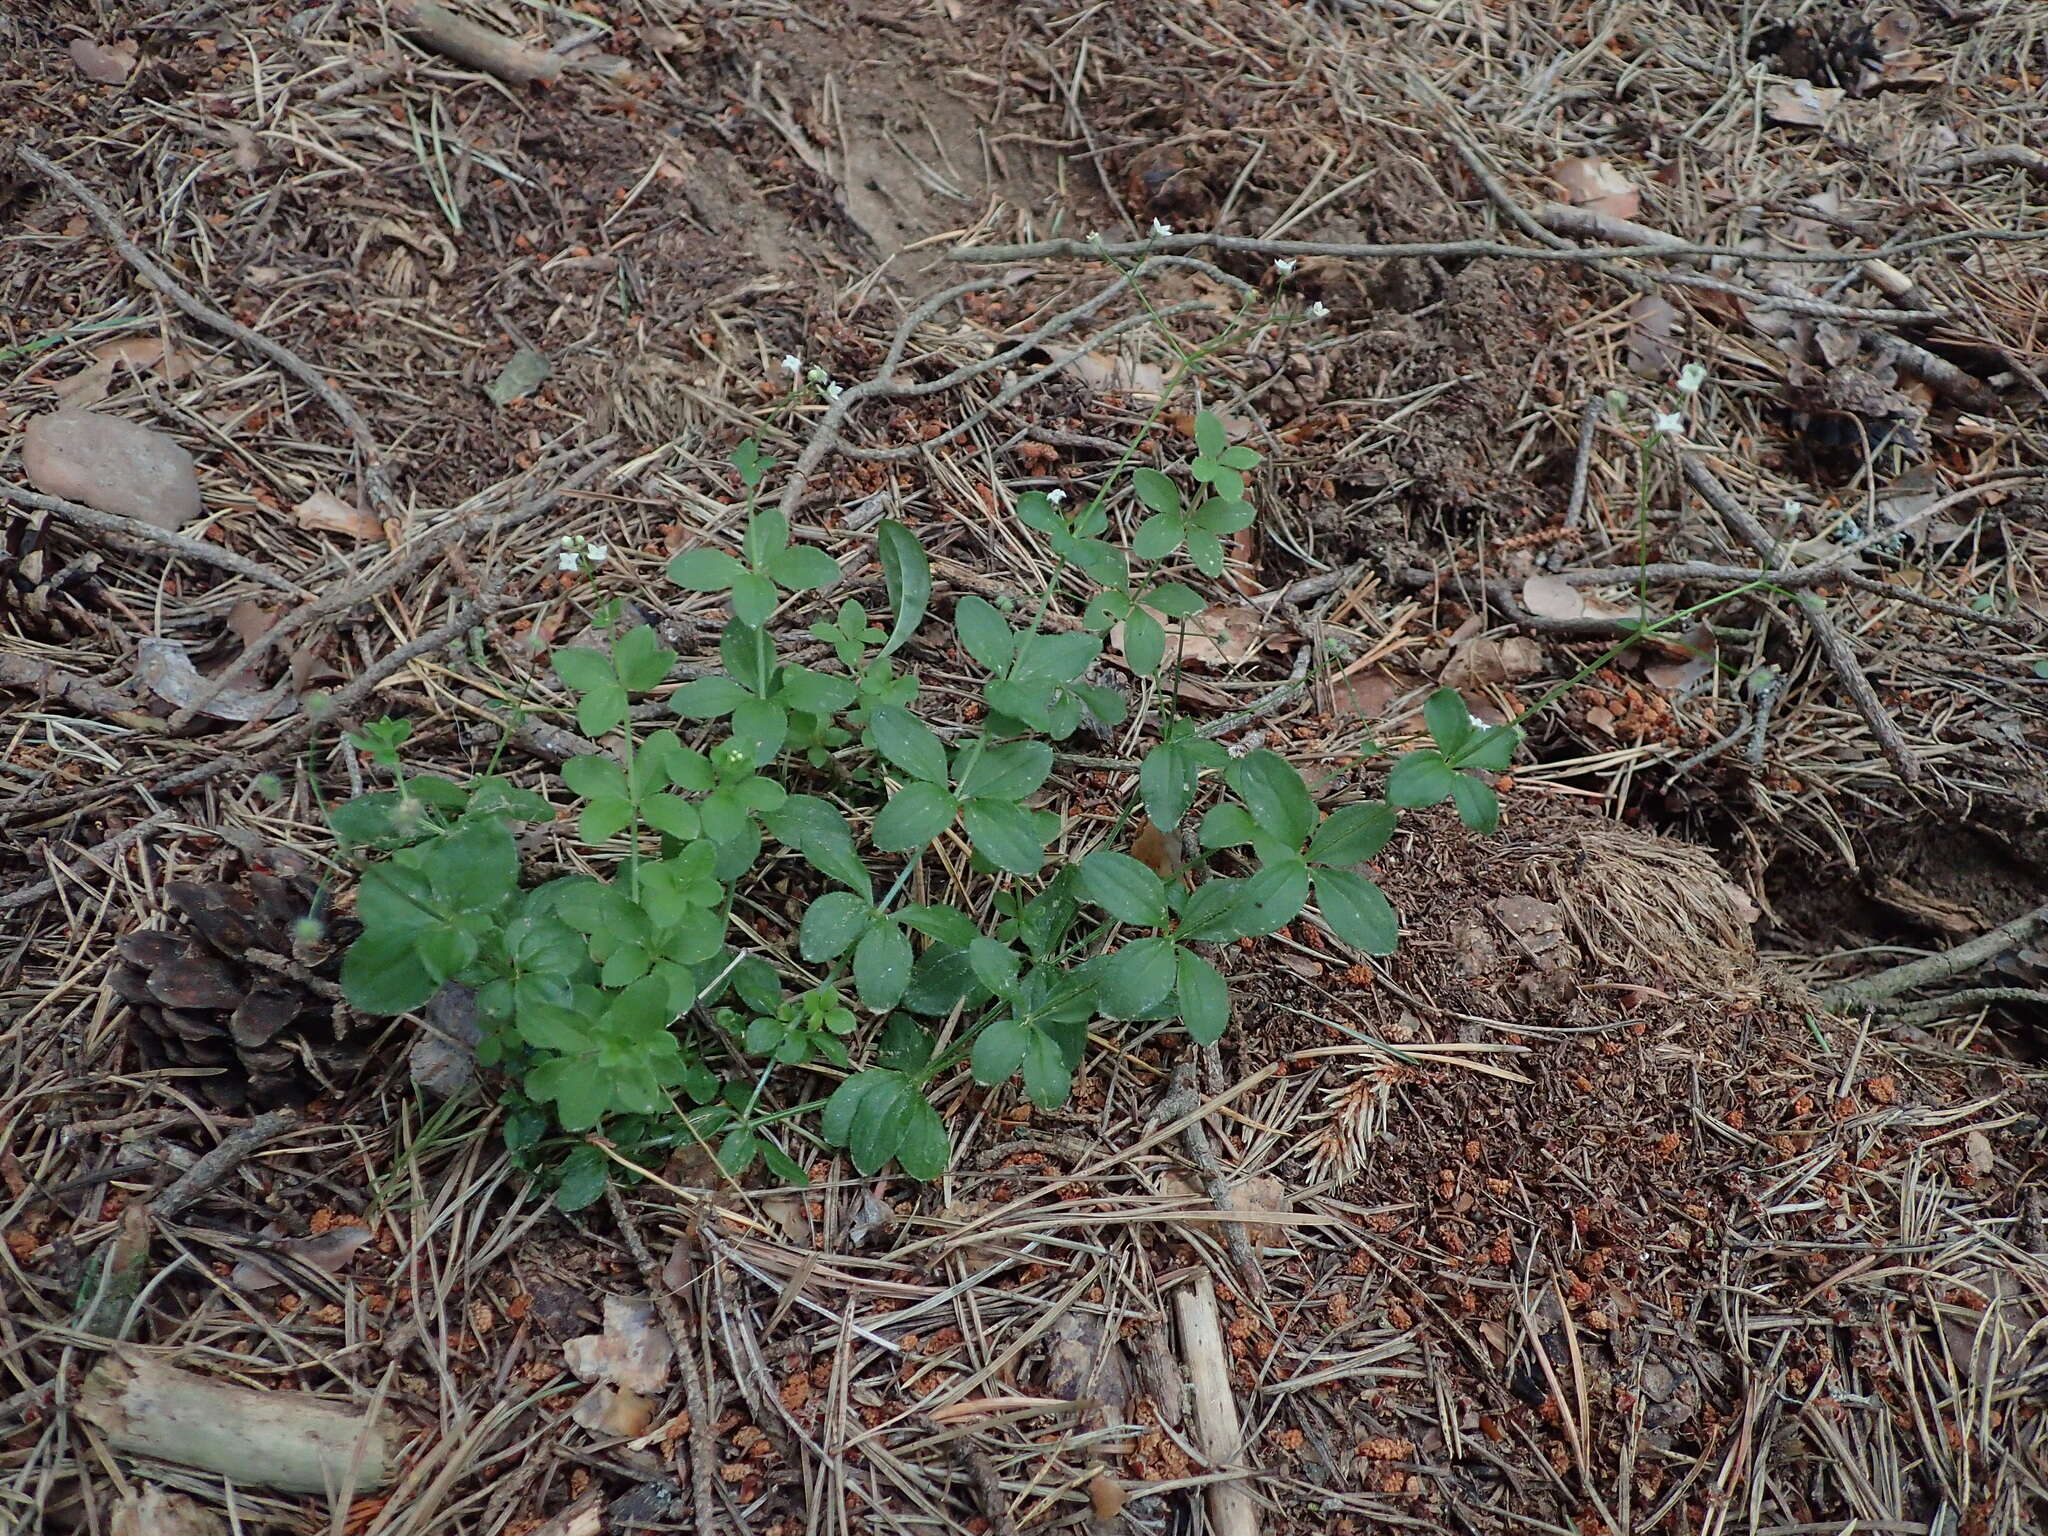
(630, 1003)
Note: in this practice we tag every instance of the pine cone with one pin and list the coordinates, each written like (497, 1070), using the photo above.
(198, 999)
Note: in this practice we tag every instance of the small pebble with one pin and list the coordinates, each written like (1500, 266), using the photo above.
(113, 465)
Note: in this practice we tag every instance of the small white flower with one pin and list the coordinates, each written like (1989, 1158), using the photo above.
(792, 365)
(1285, 266)
(1318, 310)
(1792, 510)
(578, 554)
(1095, 237)
(1669, 424)
(1161, 231)
(817, 375)
(1691, 377)
(1055, 495)
(834, 391)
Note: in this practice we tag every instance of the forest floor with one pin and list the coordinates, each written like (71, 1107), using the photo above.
(1638, 1191)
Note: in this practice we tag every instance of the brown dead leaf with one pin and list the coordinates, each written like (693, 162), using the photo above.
(1262, 1196)
(1102, 371)
(1549, 598)
(328, 1252)
(1370, 694)
(142, 354)
(1699, 647)
(1593, 183)
(633, 1352)
(325, 512)
(1224, 636)
(1652, 325)
(249, 620)
(165, 670)
(1801, 103)
(614, 1411)
(1158, 851)
(107, 63)
(1239, 568)
(1480, 663)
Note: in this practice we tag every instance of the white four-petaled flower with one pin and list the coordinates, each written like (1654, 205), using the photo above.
(1318, 310)
(579, 554)
(834, 391)
(1691, 377)
(1669, 424)
(1055, 495)
(792, 365)
(1161, 231)
(1285, 266)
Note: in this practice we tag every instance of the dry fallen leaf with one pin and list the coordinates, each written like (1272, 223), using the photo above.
(1549, 598)
(93, 384)
(328, 1252)
(1594, 184)
(249, 620)
(108, 63)
(1480, 662)
(325, 512)
(1983, 1161)
(1224, 636)
(1652, 324)
(1371, 694)
(1699, 644)
(614, 1411)
(247, 155)
(165, 670)
(1102, 371)
(1801, 103)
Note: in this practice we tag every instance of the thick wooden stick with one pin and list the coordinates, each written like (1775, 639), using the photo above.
(1218, 1435)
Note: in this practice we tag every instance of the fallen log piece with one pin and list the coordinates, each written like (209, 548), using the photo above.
(291, 1441)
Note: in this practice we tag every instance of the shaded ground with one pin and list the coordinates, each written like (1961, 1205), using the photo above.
(1583, 1216)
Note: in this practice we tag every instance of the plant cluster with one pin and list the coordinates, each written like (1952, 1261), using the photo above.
(630, 1004)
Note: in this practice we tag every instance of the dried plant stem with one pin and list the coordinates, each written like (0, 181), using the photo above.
(149, 539)
(1967, 956)
(1833, 644)
(236, 1148)
(703, 1454)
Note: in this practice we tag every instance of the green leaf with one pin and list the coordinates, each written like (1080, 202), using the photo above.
(766, 537)
(946, 925)
(708, 698)
(1221, 910)
(585, 1172)
(1492, 750)
(494, 794)
(1144, 643)
(1205, 552)
(1450, 722)
(882, 964)
(761, 728)
(396, 898)
(907, 574)
(1357, 911)
(1420, 778)
(1156, 491)
(1228, 826)
(1351, 834)
(577, 1087)
(583, 668)
(476, 867)
(1008, 772)
(831, 925)
(1004, 833)
(1158, 536)
(1175, 601)
(641, 660)
(604, 819)
(1203, 996)
(749, 656)
(444, 951)
(848, 1101)
(1275, 895)
(753, 600)
(785, 1169)
(370, 820)
(705, 570)
(913, 817)
(983, 633)
(1047, 1077)
(1211, 440)
(671, 814)
(1136, 977)
(817, 831)
(1168, 780)
(885, 1116)
(382, 975)
(999, 1050)
(922, 1148)
(995, 965)
(908, 743)
(905, 1045)
(1478, 805)
(1274, 793)
(803, 568)
(815, 693)
(1222, 514)
(1124, 888)
(601, 710)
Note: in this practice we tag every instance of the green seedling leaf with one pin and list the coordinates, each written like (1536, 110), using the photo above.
(1136, 977)
(641, 660)
(1008, 772)
(832, 924)
(1420, 778)
(705, 570)
(1006, 834)
(803, 568)
(907, 575)
(1450, 722)
(913, 817)
(1351, 834)
(1212, 441)
(908, 743)
(1203, 996)
(1124, 888)
(1478, 805)
(984, 634)
(1274, 793)
(1357, 911)
(1156, 491)
(381, 974)
(882, 962)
